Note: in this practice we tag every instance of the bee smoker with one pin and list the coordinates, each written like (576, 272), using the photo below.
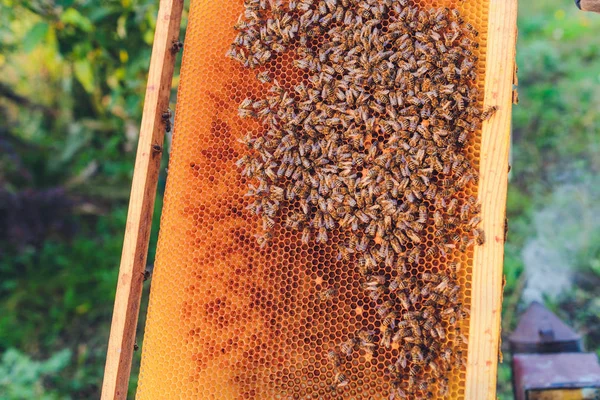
(548, 360)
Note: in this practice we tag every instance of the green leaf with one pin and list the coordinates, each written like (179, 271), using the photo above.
(85, 74)
(35, 36)
(97, 14)
(73, 17)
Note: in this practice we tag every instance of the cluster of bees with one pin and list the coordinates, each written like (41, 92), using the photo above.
(372, 143)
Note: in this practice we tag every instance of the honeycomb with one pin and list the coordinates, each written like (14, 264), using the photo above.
(244, 307)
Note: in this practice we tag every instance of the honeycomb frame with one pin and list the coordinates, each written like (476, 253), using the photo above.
(182, 227)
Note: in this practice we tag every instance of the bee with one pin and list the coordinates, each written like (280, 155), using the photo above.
(365, 338)
(417, 355)
(410, 316)
(422, 385)
(268, 222)
(348, 347)
(459, 361)
(434, 368)
(464, 212)
(459, 101)
(414, 237)
(415, 327)
(443, 388)
(382, 309)
(397, 391)
(306, 235)
(455, 266)
(393, 369)
(474, 221)
(452, 207)
(245, 109)
(264, 239)
(402, 359)
(479, 235)
(471, 29)
(390, 319)
(386, 338)
(460, 338)
(440, 331)
(341, 380)
(414, 254)
(334, 358)
(376, 281)
(328, 294)
(148, 272)
(489, 113)
(264, 77)
(166, 118)
(321, 235)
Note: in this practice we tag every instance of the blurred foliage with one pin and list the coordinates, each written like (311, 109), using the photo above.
(21, 377)
(72, 79)
(72, 83)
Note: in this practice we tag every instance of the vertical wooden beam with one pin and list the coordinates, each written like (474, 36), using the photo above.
(486, 285)
(141, 203)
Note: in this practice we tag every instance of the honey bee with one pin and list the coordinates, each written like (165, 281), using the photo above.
(459, 361)
(489, 112)
(348, 347)
(479, 235)
(455, 267)
(471, 29)
(264, 239)
(402, 359)
(440, 331)
(245, 110)
(417, 355)
(459, 101)
(264, 77)
(166, 118)
(328, 294)
(386, 338)
(390, 319)
(443, 388)
(452, 207)
(322, 235)
(446, 354)
(397, 392)
(341, 380)
(334, 358)
(460, 338)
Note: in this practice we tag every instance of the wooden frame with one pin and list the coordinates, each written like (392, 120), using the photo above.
(487, 282)
(141, 203)
(486, 289)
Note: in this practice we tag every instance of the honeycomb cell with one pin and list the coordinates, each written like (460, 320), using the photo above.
(230, 318)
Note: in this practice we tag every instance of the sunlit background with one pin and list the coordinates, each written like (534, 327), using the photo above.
(72, 78)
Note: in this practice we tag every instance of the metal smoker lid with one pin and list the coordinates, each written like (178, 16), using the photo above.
(540, 331)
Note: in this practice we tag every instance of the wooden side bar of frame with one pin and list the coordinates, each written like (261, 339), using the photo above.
(487, 282)
(141, 203)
